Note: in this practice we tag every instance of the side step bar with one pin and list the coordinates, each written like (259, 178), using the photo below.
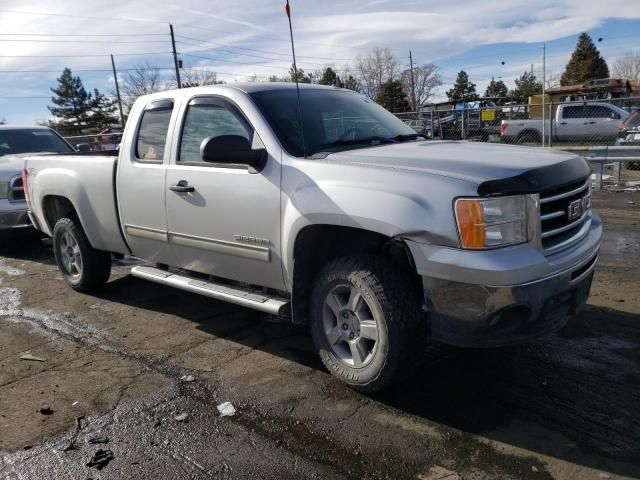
(244, 297)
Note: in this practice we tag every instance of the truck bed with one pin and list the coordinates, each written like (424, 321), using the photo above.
(88, 182)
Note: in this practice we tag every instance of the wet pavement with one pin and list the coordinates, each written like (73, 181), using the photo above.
(116, 366)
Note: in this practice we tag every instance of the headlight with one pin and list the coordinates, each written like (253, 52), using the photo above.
(491, 222)
(4, 190)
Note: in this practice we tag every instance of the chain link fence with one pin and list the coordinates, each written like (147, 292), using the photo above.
(103, 142)
(606, 132)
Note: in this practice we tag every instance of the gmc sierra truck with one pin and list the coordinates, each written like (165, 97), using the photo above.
(571, 122)
(330, 212)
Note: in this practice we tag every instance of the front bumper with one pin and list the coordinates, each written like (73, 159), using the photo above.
(14, 220)
(504, 296)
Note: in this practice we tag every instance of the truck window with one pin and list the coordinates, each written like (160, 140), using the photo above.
(573, 112)
(152, 134)
(600, 112)
(206, 119)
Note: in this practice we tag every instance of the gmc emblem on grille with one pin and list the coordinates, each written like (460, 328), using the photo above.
(577, 208)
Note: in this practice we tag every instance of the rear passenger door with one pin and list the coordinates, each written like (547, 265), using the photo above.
(141, 181)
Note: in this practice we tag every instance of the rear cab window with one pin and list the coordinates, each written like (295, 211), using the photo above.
(152, 132)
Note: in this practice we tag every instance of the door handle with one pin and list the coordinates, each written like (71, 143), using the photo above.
(589, 123)
(563, 123)
(182, 186)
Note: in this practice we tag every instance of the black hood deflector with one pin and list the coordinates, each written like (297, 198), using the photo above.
(538, 179)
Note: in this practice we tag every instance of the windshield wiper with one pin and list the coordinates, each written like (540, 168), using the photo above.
(354, 141)
(407, 137)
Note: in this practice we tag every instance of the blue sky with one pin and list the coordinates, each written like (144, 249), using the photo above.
(242, 39)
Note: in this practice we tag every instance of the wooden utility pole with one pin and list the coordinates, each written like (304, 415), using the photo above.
(115, 78)
(175, 57)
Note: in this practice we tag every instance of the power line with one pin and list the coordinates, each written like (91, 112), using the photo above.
(82, 34)
(251, 55)
(258, 50)
(38, 40)
(86, 56)
(232, 61)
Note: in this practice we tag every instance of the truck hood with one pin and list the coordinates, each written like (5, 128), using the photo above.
(496, 169)
(12, 164)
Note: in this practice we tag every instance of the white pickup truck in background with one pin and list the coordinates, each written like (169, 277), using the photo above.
(571, 122)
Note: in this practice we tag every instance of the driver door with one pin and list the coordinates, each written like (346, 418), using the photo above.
(228, 224)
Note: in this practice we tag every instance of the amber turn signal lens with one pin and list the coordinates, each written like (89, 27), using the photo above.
(470, 217)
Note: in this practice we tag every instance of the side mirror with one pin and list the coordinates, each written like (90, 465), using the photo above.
(233, 149)
(83, 147)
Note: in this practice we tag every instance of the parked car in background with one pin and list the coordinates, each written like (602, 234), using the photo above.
(572, 122)
(350, 222)
(15, 143)
(630, 137)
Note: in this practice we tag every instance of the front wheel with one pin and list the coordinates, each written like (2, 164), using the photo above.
(82, 266)
(366, 321)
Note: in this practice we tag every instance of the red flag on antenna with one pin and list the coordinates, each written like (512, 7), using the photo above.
(287, 9)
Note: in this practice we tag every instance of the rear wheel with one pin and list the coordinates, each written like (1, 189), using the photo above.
(81, 265)
(366, 321)
(529, 138)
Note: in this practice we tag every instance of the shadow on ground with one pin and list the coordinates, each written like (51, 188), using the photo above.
(569, 395)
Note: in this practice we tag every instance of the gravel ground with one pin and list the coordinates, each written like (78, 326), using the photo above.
(564, 406)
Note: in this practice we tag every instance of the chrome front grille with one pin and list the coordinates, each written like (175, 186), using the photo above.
(565, 214)
(16, 190)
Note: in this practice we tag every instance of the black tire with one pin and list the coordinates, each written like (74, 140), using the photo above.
(394, 302)
(93, 266)
(528, 138)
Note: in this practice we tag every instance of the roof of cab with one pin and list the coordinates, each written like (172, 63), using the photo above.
(23, 127)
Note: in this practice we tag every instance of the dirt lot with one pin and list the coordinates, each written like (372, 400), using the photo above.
(565, 406)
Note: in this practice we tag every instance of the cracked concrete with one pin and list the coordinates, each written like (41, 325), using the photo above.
(567, 406)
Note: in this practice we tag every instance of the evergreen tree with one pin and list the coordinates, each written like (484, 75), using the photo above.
(71, 103)
(328, 77)
(102, 112)
(302, 77)
(585, 63)
(527, 85)
(496, 89)
(463, 89)
(392, 97)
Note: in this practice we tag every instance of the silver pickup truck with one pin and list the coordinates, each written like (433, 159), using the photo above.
(571, 122)
(344, 219)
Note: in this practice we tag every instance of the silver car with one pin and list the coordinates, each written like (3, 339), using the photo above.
(15, 144)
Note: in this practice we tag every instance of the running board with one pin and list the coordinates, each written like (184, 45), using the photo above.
(245, 297)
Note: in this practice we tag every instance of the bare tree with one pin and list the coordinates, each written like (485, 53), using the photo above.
(376, 68)
(426, 79)
(192, 77)
(628, 66)
(144, 79)
(552, 79)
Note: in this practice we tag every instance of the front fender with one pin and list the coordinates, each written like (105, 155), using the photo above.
(415, 207)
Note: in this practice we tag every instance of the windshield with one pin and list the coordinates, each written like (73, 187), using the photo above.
(26, 140)
(333, 120)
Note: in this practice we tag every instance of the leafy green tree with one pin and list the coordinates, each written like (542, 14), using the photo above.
(496, 89)
(585, 63)
(463, 89)
(527, 85)
(392, 97)
(328, 77)
(71, 104)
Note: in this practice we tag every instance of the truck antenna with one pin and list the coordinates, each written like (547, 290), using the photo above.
(287, 9)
